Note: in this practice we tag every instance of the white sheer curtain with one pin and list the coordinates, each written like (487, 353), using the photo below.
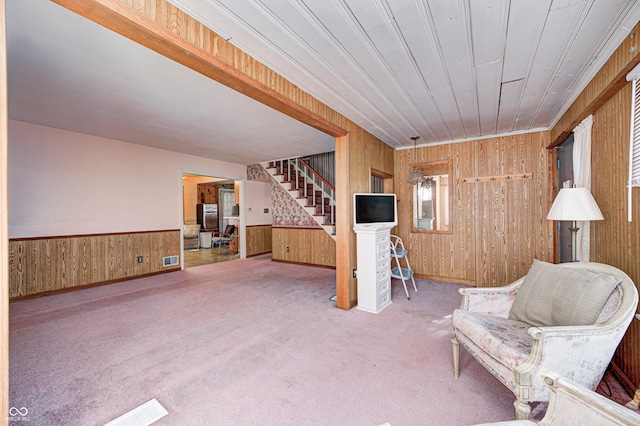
(582, 178)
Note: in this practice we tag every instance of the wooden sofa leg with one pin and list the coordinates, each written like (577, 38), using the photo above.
(523, 410)
(455, 348)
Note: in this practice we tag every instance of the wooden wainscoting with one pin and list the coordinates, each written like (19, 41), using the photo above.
(52, 264)
(258, 240)
(498, 225)
(310, 246)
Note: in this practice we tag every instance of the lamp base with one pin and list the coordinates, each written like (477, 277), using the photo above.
(574, 240)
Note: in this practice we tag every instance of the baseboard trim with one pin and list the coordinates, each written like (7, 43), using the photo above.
(303, 263)
(445, 279)
(258, 254)
(626, 382)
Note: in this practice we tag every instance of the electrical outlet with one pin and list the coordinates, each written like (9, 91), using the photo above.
(140, 259)
(287, 249)
(266, 210)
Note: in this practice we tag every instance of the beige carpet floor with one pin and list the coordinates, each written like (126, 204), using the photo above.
(243, 343)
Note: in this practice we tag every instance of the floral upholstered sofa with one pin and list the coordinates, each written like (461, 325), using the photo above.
(567, 319)
(572, 404)
(191, 236)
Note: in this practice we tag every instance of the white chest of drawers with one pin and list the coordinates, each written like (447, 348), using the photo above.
(374, 264)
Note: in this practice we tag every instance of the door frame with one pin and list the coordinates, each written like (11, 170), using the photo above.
(239, 189)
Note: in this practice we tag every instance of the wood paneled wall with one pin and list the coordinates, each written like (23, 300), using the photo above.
(258, 239)
(44, 265)
(364, 153)
(208, 192)
(615, 241)
(311, 246)
(498, 227)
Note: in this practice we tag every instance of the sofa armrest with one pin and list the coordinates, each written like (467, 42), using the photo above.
(490, 300)
(580, 353)
(573, 402)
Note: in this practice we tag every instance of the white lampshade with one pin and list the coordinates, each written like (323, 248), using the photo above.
(574, 204)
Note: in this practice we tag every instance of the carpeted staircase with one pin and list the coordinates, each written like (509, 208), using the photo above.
(308, 188)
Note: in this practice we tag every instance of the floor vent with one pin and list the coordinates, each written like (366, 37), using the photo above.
(170, 261)
(143, 415)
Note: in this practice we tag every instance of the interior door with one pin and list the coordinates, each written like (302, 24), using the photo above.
(565, 179)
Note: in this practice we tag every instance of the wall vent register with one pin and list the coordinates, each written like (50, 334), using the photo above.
(170, 261)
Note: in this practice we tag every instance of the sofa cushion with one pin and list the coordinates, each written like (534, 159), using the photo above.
(503, 339)
(554, 295)
(191, 231)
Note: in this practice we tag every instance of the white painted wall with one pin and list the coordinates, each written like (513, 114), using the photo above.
(65, 183)
(258, 198)
(190, 199)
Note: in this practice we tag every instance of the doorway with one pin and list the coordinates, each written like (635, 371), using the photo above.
(381, 182)
(208, 203)
(565, 180)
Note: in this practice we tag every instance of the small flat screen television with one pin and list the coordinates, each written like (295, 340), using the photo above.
(375, 209)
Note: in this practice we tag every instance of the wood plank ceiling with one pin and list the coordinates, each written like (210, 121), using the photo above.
(442, 69)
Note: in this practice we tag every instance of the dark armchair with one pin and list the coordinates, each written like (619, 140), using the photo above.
(224, 238)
